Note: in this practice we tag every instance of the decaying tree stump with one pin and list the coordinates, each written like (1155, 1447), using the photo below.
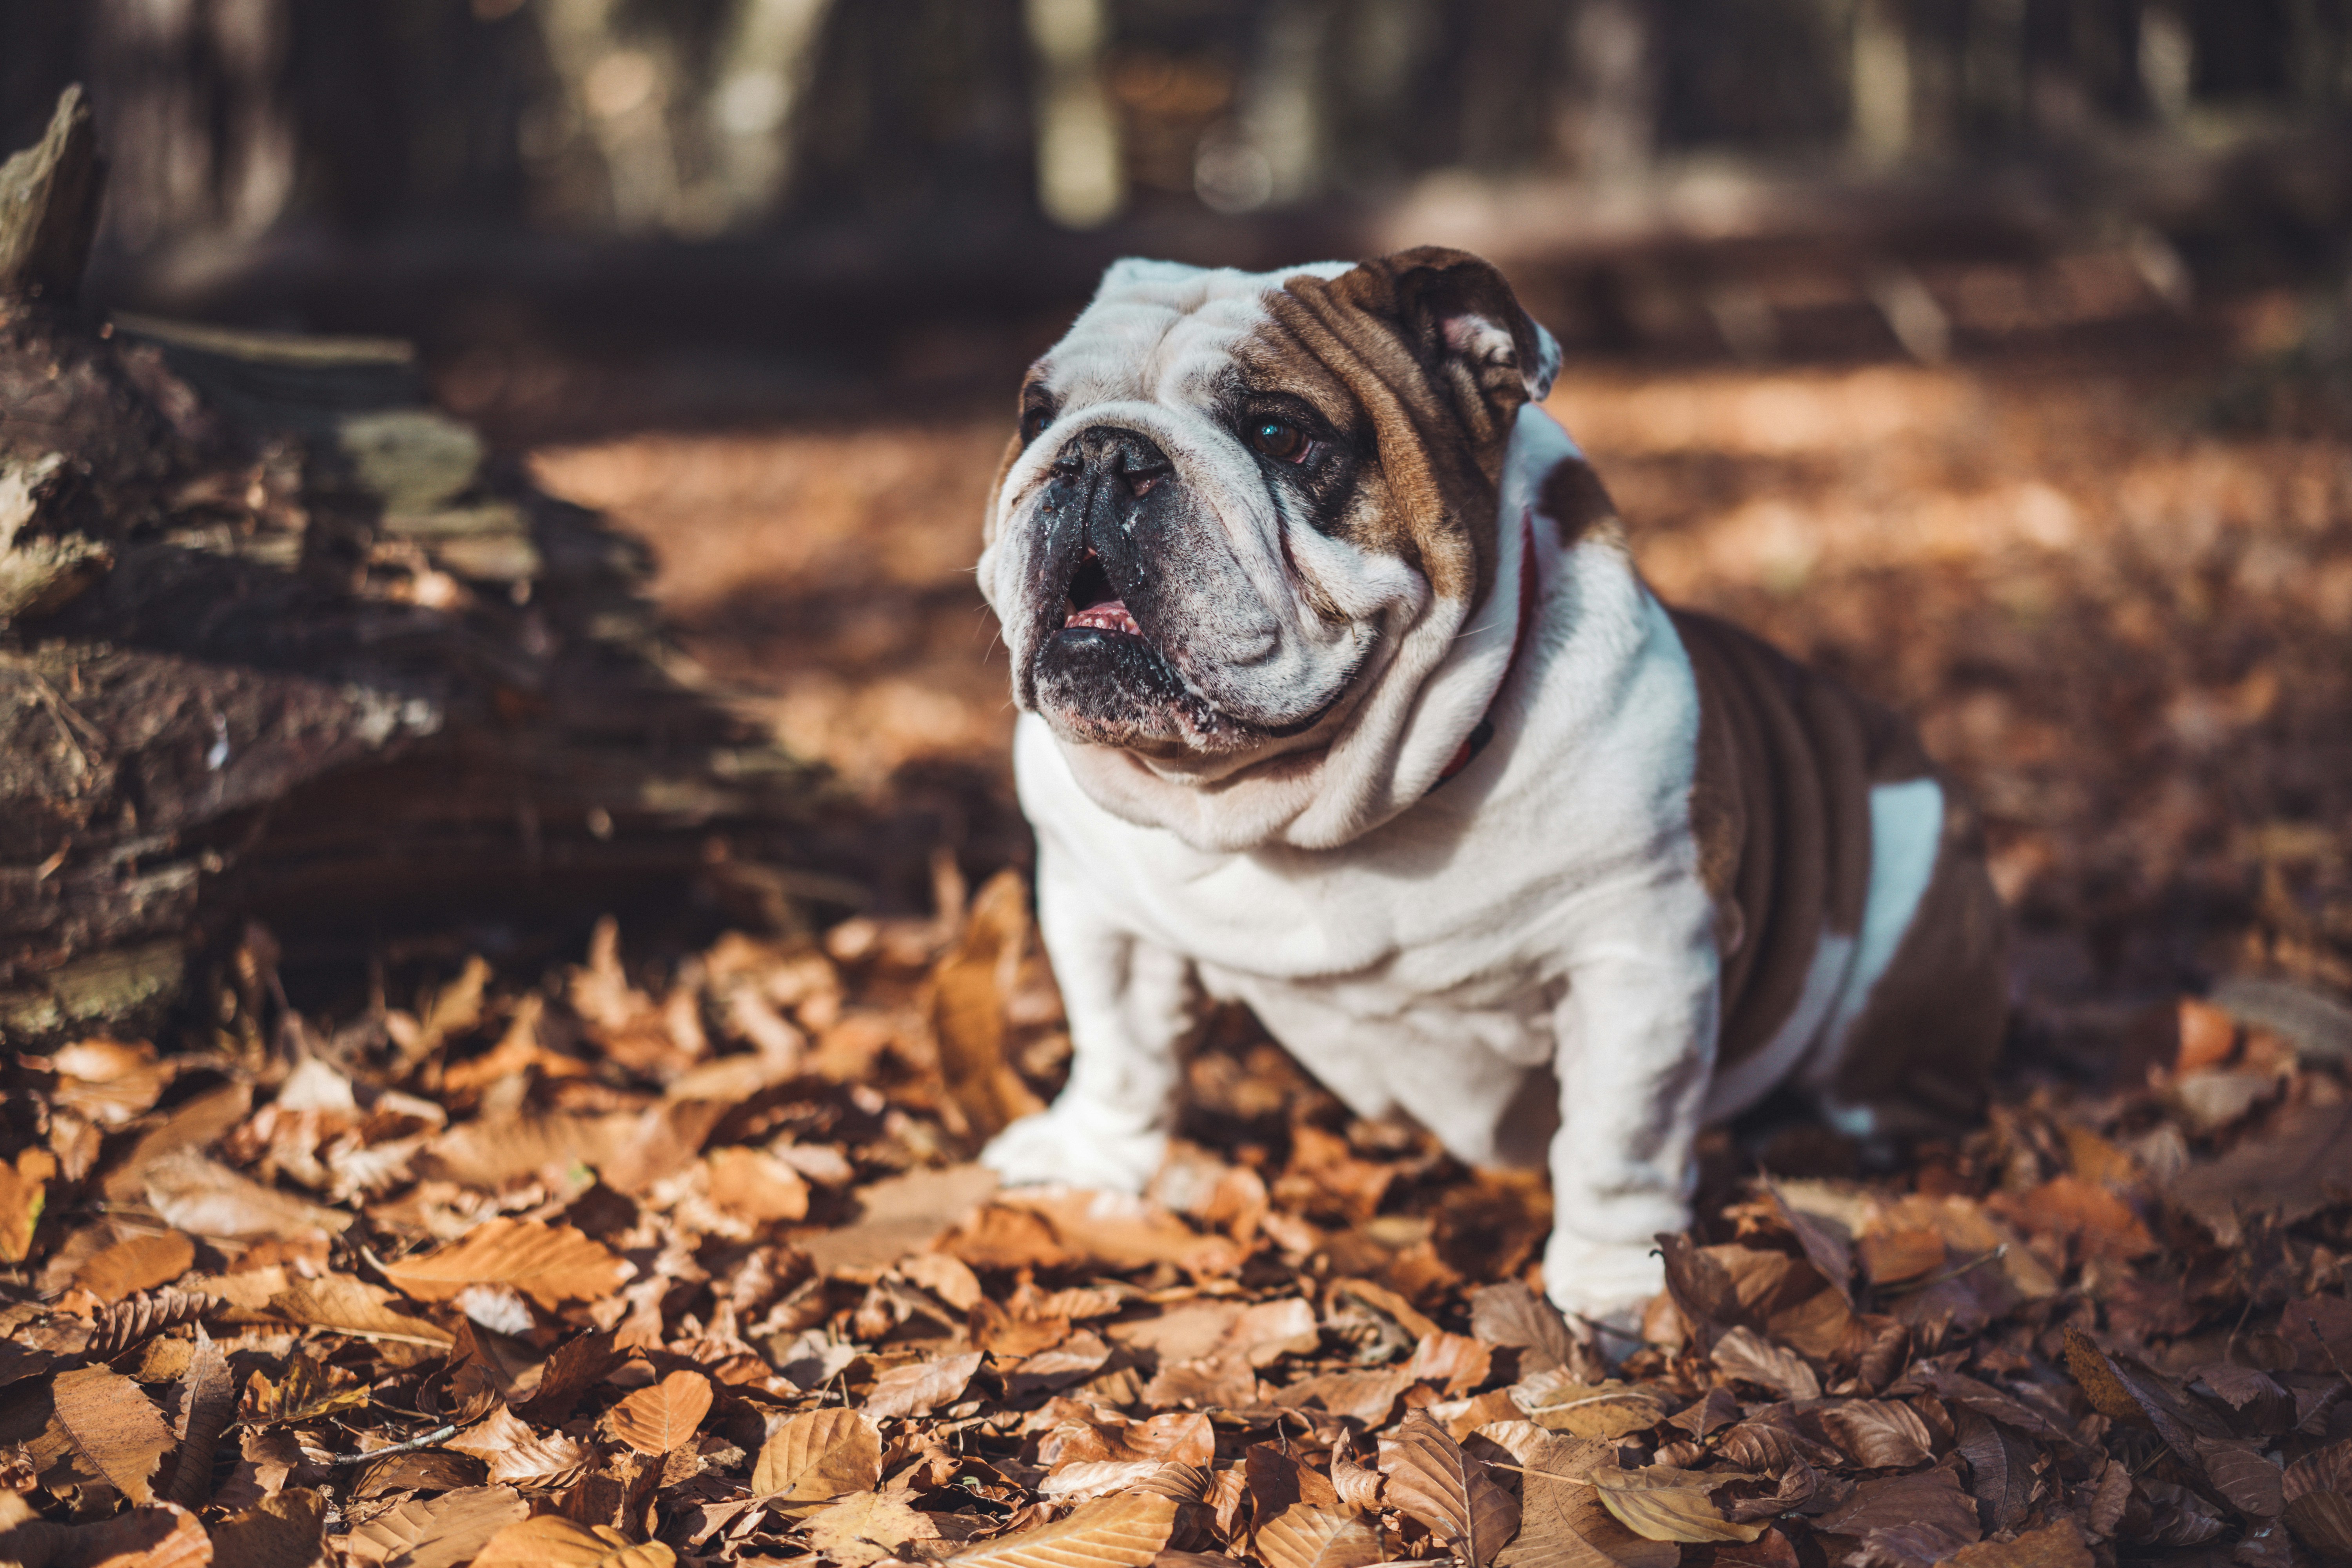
(278, 637)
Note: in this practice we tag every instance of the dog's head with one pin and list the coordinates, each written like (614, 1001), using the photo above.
(1234, 498)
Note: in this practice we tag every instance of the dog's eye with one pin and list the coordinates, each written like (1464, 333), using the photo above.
(1277, 438)
(1034, 420)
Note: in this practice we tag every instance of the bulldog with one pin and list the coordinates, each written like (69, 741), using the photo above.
(1341, 697)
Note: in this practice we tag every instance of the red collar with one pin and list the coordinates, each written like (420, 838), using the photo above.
(1484, 730)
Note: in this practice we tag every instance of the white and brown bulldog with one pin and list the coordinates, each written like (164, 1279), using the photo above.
(1341, 696)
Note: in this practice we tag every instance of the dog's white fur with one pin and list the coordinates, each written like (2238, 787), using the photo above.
(1428, 953)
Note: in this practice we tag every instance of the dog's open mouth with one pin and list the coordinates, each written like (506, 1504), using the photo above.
(1094, 603)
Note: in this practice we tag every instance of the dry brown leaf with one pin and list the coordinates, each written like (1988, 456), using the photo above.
(1428, 1477)
(304, 1392)
(1089, 1478)
(1659, 1502)
(425, 1470)
(2302, 1164)
(349, 1305)
(1512, 1314)
(116, 1426)
(1557, 1403)
(1744, 1354)
(1057, 1227)
(576, 1366)
(207, 1402)
(900, 1214)
(1455, 1363)
(1564, 1524)
(818, 1455)
(436, 1532)
(2055, 1546)
(921, 1387)
(204, 1198)
(1114, 1532)
(24, 1192)
(552, 1264)
(2317, 1493)
(1879, 1434)
(1305, 1536)
(136, 1263)
(518, 1456)
(666, 1415)
(282, 1531)
(866, 1529)
(754, 1185)
(1357, 1486)
(1369, 1397)
(2248, 1479)
(550, 1541)
(162, 1536)
(969, 990)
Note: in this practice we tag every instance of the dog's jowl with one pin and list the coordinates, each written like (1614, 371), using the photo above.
(1341, 697)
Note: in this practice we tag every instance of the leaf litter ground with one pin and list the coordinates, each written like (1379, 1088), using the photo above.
(686, 1262)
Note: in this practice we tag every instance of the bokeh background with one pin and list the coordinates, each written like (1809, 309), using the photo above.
(1991, 352)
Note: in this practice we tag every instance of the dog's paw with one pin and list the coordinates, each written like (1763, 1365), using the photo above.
(1077, 1149)
(1609, 1282)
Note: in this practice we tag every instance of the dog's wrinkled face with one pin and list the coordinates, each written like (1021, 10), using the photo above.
(1232, 492)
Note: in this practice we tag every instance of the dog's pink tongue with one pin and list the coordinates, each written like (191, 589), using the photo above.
(1110, 616)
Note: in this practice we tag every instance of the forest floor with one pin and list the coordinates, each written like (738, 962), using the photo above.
(685, 1260)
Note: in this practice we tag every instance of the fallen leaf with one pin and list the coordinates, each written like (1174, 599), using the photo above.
(23, 1194)
(1742, 1353)
(1113, 1533)
(552, 1264)
(207, 1402)
(1512, 1314)
(163, 1536)
(900, 1214)
(818, 1455)
(550, 1541)
(1556, 1403)
(866, 1529)
(1879, 1434)
(282, 1531)
(427, 1471)
(969, 989)
(2317, 1493)
(1428, 1477)
(1369, 1397)
(1659, 1502)
(1058, 1228)
(204, 1198)
(756, 1185)
(2248, 1479)
(307, 1390)
(116, 1426)
(348, 1305)
(1565, 1524)
(666, 1415)
(2299, 1166)
(1453, 1362)
(1304, 1536)
(518, 1455)
(575, 1366)
(136, 1263)
(436, 1532)
(1932, 1499)
(2056, 1545)
(921, 1388)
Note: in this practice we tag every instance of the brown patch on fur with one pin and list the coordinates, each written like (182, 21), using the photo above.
(1577, 503)
(1439, 421)
(1920, 1051)
(1013, 450)
(1780, 805)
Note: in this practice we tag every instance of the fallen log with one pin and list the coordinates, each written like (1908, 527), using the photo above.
(277, 639)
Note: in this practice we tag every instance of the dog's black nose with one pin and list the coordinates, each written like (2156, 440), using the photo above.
(1114, 453)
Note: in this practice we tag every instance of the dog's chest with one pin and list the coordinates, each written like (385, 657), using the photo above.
(1460, 910)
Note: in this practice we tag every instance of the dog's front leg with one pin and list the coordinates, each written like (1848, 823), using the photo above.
(1129, 1004)
(1636, 1042)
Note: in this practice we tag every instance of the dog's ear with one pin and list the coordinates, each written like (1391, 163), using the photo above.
(1462, 319)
